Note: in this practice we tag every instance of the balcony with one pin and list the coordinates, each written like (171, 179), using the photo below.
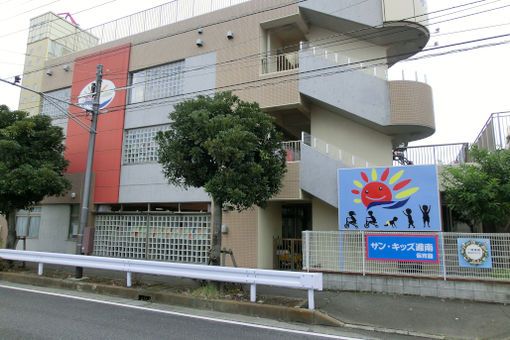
(495, 134)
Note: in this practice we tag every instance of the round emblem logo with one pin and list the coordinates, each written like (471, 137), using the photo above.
(107, 94)
(474, 252)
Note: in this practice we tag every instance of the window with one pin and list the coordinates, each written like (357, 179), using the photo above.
(140, 146)
(157, 82)
(74, 221)
(27, 222)
(53, 108)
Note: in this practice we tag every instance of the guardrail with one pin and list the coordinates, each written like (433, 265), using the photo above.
(251, 276)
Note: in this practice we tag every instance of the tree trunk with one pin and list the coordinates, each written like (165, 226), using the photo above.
(215, 254)
(11, 230)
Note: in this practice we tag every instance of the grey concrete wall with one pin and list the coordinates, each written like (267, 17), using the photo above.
(353, 94)
(367, 12)
(199, 78)
(317, 174)
(53, 231)
(146, 183)
(476, 291)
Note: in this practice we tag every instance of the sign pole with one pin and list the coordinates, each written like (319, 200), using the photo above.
(96, 93)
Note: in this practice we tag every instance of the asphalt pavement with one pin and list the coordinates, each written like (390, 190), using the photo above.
(417, 316)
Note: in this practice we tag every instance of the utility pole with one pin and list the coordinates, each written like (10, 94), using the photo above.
(96, 93)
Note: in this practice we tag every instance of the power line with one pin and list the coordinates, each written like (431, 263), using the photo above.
(244, 58)
(294, 2)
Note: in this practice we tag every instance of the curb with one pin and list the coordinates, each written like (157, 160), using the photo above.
(282, 313)
(275, 312)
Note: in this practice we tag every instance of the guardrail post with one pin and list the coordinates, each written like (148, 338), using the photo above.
(311, 300)
(253, 292)
(40, 268)
(128, 279)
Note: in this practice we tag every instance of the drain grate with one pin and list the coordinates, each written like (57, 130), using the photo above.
(144, 297)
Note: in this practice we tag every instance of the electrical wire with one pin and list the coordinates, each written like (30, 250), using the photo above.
(258, 54)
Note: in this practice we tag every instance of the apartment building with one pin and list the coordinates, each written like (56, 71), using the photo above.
(319, 67)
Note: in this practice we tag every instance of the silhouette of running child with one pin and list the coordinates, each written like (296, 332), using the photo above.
(370, 219)
(409, 218)
(391, 223)
(425, 210)
(351, 220)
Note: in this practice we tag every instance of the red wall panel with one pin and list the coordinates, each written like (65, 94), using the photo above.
(110, 124)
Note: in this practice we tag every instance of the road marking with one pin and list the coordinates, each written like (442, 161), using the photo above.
(230, 322)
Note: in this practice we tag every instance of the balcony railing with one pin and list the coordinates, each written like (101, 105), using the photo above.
(334, 152)
(165, 14)
(280, 62)
(442, 154)
(335, 55)
(293, 149)
(495, 133)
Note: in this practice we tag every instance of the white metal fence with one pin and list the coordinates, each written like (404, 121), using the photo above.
(441, 154)
(347, 251)
(334, 151)
(165, 14)
(251, 276)
(496, 132)
(176, 237)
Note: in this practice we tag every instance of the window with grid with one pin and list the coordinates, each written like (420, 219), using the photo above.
(157, 82)
(27, 222)
(140, 146)
(74, 221)
(54, 108)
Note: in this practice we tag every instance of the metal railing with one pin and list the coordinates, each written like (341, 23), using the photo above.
(288, 254)
(253, 277)
(168, 13)
(335, 54)
(280, 62)
(495, 133)
(334, 151)
(441, 154)
(293, 149)
(348, 251)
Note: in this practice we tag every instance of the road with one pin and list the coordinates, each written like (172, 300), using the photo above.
(33, 314)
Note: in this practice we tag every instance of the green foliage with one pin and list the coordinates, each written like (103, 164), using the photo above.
(31, 161)
(228, 146)
(479, 192)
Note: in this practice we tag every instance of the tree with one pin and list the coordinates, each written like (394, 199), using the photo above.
(479, 192)
(31, 164)
(227, 146)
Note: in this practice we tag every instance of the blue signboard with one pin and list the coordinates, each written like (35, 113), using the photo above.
(403, 198)
(474, 252)
(419, 248)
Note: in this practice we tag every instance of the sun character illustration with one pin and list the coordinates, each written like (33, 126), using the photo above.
(375, 191)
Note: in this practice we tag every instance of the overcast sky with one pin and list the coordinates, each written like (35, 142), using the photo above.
(468, 86)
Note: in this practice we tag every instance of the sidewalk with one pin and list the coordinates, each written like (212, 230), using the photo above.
(397, 314)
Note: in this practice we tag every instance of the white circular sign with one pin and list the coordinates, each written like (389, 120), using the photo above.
(474, 252)
(107, 94)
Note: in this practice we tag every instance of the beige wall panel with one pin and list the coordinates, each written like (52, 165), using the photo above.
(270, 227)
(241, 237)
(324, 216)
(178, 41)
(359, 140)
(411, 103)
(291, 188)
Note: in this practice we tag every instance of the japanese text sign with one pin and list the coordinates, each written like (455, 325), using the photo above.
(419, 248)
